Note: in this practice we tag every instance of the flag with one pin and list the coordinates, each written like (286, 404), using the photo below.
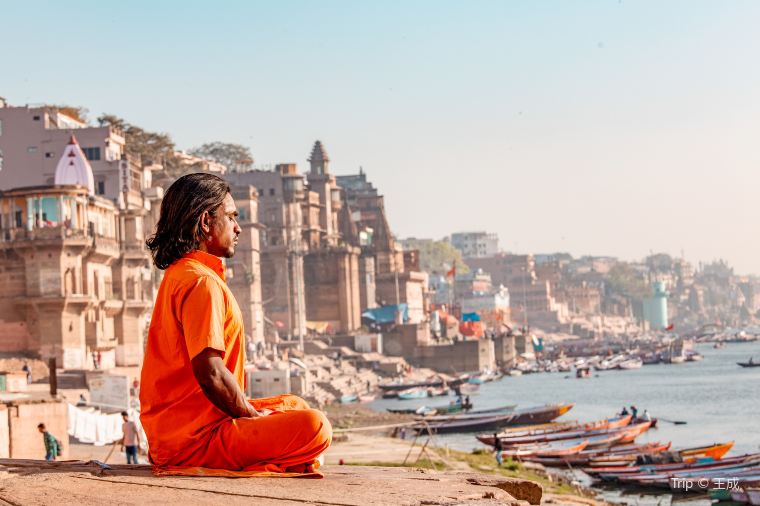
(453, 271)
(669, 327)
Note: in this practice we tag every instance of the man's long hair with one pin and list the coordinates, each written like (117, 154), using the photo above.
(178, 231)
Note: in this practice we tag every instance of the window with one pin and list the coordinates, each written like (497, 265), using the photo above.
(49, 154)
(31, 149)
(271, 191)
(1, 159)
(36, 118)
(100, 188)
(1, 127)
(92, 154)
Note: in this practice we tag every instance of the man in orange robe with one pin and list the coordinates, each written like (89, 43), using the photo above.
(193, 407)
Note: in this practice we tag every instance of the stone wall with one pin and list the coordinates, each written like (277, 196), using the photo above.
(25, 441)
(462, 356)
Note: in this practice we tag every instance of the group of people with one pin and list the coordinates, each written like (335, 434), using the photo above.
(634, 412)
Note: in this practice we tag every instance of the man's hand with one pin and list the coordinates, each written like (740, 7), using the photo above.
(219, 385)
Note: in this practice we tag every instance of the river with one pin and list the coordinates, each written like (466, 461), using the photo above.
(718, 400)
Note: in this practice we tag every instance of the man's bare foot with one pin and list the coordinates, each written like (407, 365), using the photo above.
(301, 468)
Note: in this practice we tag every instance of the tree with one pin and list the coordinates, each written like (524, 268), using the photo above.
(437, 257)
(625, 280)
(235, 157)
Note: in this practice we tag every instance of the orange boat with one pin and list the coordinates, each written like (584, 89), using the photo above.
(555, 450)
(635, 431)
(715, 451)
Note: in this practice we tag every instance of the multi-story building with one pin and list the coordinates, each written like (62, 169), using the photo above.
(476, 244)
(310, 272)
(383, 259)
(76, 276)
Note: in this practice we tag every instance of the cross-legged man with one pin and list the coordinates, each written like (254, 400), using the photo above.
(194, 410)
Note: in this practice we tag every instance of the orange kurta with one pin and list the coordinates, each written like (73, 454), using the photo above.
(195, 310)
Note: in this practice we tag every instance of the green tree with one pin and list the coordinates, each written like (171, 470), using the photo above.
(235, 157)
(437, 257)
(625, 280)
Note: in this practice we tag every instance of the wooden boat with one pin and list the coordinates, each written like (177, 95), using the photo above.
(406, 386)
(625, 432)
(555, 450)
(437, 391)
(367, 398)
(541, 414)
(466, 425)
(633, 363)
(654, 474)
(412, 393)
(539, 431)
(621, 452)
(750, 363)
(496, 421)
(715, 451)
(668, 467)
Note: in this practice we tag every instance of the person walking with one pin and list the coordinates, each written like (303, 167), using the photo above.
(52, 445)
(26, 369)
(499, 447)
(129, 441)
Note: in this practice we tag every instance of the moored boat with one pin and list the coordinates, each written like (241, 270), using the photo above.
(413, 393)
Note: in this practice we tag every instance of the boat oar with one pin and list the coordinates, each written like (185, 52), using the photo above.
(674, 422)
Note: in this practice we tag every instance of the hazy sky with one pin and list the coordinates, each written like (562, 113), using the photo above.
(593, 127)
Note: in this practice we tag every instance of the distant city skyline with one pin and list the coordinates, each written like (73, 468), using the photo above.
(599, 127)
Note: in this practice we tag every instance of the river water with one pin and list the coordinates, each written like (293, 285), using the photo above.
(718, 400)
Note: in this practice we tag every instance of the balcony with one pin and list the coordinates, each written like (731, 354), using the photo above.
(21, 237)
(104, 248)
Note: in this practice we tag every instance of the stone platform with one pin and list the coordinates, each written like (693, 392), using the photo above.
(30, 482)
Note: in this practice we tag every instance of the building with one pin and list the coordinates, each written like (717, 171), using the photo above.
(310, 270)
(656, 307)
(77, 278)
(475, 244)
(383, 262)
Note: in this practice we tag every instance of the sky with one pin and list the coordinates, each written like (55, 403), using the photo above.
(592, 127)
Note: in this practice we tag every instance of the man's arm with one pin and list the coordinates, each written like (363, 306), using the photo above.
(219, 385)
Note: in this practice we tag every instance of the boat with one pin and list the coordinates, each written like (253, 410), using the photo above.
(349, 398)
(468, 388)
(367, 397)
(718, 345)
(412, 393)
(542, 414)
(714, 451)
(542, 437)
(633, 363)
(584, 372)
(556, 450)
(694, 357)
(406, 386)
(749, 363)
(437, 391)
(477, 423)
(515, 372)
(626, 453)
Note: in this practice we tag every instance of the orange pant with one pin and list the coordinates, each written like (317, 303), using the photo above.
(294, 434)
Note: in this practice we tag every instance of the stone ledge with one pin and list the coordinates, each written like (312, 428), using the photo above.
(31, 482)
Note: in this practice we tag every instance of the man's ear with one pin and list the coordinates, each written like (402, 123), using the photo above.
(206, 222)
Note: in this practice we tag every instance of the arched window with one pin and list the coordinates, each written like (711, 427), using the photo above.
(1, 159)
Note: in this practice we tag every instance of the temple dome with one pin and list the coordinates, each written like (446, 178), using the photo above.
(73, 168)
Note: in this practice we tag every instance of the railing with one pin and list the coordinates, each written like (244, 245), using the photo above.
(42, 233)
